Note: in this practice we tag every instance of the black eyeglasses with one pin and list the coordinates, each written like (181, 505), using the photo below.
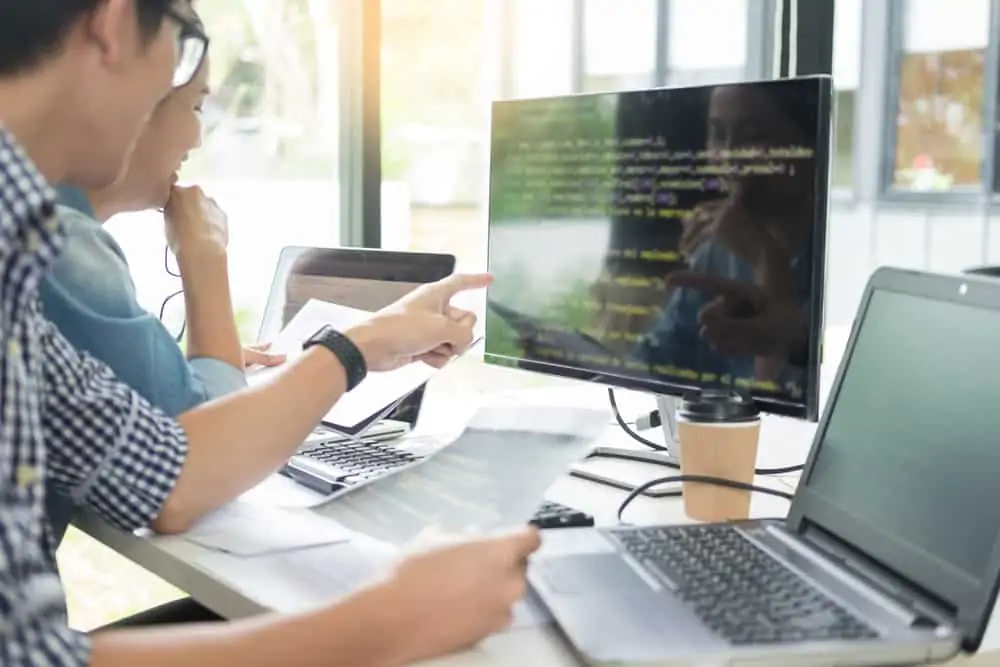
(192, 45)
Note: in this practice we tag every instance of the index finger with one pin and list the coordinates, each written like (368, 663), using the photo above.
(463, 282)
(521, 543)
(713, 285)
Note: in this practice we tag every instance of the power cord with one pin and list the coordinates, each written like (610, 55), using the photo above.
(163, 307)
(701, 479)
(660, 448)
(628, 429)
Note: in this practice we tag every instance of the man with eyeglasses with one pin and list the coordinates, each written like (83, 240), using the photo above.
(78, 78)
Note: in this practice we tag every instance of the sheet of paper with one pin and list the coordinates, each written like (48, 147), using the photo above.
(494, 475)
(375, 394)
(304, 579)
(245, 529)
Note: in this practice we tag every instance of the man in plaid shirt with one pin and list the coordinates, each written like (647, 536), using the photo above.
(78, 78)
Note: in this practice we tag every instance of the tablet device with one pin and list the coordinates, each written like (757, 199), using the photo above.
(357, 277)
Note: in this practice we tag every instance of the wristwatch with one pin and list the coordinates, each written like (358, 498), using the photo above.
(345, 350)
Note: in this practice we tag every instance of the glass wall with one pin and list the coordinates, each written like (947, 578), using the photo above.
(436, 65)
(539, 42)
(706, 41)
(619, 44)
(443, 61)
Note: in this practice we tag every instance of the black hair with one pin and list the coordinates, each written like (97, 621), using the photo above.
(33, 30)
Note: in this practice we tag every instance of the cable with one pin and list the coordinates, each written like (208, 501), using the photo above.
(702, 479)
(658, 447)
(163, 307)
(166, 263)
(628, 429)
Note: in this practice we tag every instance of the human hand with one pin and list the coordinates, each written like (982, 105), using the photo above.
(422, 326)
(744, 318)
(700, 226)
(451, 597)
(258, 355)
(192, 218)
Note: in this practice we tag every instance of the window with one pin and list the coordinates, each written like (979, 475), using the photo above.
(846, 72)
(706, 41)
(619, 44)
(541, 47)
(939, 119)
(435, 106)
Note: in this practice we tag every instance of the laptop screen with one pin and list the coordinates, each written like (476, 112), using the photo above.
(357, 277)
(908, 466)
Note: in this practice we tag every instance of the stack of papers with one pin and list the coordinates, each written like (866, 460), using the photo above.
(377, 394)
(495, 475)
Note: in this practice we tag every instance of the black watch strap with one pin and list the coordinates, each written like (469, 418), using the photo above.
(345, 350)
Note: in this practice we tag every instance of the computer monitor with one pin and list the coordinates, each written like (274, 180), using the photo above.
(669, 240)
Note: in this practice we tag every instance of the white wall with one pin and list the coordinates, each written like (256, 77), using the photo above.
(862, 237)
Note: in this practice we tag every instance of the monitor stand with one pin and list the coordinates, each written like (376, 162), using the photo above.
(667, 407)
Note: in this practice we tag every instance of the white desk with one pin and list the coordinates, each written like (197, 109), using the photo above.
(208, 577)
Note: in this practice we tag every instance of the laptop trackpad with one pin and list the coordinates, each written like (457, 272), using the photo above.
(590, 575)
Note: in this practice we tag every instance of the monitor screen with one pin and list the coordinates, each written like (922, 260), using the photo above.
(664, 240)
(908, 454)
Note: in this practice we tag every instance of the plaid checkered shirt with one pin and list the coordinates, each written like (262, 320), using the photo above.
(64, 420)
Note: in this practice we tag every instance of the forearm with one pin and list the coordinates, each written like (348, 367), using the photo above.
(236, 441)
(354, 632)
(208, 304)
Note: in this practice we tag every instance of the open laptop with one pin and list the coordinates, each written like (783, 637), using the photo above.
(360, 278)
(890, 553)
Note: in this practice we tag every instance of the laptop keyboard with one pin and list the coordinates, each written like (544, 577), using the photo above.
(737, 589)
(355, 461)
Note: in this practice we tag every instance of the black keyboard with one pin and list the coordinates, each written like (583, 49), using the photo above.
(348, 463)
(737, 589)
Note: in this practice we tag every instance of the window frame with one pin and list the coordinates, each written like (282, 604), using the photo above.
(966, 196)
(360, 123)
(758, 59)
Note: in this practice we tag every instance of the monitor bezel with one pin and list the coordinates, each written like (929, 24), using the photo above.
(808, 408)
(973, 599)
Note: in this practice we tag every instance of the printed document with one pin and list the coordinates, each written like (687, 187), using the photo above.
(378, 392)
(494, 475)
(244, 529)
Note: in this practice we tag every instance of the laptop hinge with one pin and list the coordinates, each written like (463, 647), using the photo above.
(927, 608)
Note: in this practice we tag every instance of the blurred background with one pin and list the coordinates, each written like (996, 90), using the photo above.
(366, 122)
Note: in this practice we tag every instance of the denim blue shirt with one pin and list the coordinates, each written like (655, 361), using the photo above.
(89, 295)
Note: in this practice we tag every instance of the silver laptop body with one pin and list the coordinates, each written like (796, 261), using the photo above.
(891, 540)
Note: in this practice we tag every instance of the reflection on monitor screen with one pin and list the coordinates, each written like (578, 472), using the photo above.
(664, 240)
